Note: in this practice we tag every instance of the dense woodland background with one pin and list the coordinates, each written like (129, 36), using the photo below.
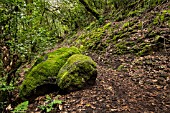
(31, 28)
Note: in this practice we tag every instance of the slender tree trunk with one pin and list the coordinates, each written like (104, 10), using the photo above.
(29, 4)
(91, 10)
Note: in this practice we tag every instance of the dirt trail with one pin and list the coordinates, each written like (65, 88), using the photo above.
(125, 83)
(141, 85)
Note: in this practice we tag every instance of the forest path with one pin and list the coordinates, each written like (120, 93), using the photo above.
(125, 83)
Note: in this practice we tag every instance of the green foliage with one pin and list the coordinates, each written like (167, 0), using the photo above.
(127, 25)
(4, 87)
(156, 20)
(27, 30)
(161, 17)
(4, 92)
(1, 67)
(22, 107)
(31, 34)
(26, 35)
(50, 103)
(152, 3)
(72, 14)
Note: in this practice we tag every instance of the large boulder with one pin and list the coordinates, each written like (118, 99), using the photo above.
(77, 72)
(45, 72)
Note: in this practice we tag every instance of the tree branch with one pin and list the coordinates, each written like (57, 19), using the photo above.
(89, 9)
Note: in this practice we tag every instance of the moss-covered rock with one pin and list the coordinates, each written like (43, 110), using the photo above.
(46, 71)
(77, 72)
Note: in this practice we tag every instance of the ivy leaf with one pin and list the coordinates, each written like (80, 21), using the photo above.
(21, 107)
(56, 101)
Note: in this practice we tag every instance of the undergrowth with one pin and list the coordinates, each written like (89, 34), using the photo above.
(136, 32)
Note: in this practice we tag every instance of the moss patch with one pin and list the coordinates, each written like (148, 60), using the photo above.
(78, 71)
(120, 68)
(145, 50)
(46, 70)
(92, 39)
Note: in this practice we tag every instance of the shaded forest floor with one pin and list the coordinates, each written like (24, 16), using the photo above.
(125, 83)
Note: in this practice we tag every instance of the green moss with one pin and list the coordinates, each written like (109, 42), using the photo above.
(145, 50)
(157, 38)
(133, 13)
(126, 25)
(83, 36)
(121, 47)
(106, 26)
(120, 68)
(130, 44)
(162, 17)
(45, 70)
(140, 25)
(39, 60)
(115, 38)
(76, 72)
(96, 35)
(166, 11)
(132, 4)
(93, 39)
(91, 26)
(136, 12)
(156, 20)
(119, 17)
(124, 47)
(152, 34)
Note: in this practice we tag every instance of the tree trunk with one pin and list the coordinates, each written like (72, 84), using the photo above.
(89, 9)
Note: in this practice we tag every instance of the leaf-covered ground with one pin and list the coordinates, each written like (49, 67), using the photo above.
(126, 82)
